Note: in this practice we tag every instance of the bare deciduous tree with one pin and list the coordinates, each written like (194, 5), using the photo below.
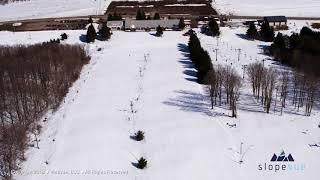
(311, 89)
(284, 80)
(33, 79)
(256, 73)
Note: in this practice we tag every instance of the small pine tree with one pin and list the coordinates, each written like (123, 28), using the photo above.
(159, 31)
(214, 27)
(64, 36)
(156, 16)
(252, 32)
(139, 136)
(110, 17)
(182, 25)
(90, 20)
(105, 32)
(140, 15)
(142, 163)
(91, 34)
(267, 32)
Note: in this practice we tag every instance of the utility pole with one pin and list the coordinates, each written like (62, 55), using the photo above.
(216, 50)
(275, 102)
(263, 60)
(241, 160)
(239, 53)
(244, 70)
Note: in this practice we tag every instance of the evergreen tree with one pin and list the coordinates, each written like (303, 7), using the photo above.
(105, 32)
(252, 32)
(91, 34)
(140, 15)
(267, 32)
(182, 25)
(142, 163)
(117, 16)
(110, 17)
(278, 47)
(139, 136)
(64, 36)
(200, 58)
(90, 20)
(156, 16)
(214, 27)
(159, 31)
(114, 17)
(294, 41)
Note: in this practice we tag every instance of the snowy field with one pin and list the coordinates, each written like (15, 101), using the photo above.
(302, 8)
(34, 9)
(62, 8)
(154, 78)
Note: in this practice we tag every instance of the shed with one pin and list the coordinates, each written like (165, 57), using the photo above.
(276, 20)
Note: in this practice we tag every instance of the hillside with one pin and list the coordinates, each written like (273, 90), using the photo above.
(141, 82)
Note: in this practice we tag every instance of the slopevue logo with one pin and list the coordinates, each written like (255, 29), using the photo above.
(281, 162)
(282, 157)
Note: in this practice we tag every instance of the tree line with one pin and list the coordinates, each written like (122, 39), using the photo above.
(103, 34)
(33, 79)
(266, 33)
(270, 86)
(223, 81)
(300, 50)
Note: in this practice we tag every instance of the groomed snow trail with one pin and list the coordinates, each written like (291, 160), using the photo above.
(91, 130)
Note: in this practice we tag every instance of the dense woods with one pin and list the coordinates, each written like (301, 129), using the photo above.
(300, 50)
(33, 79)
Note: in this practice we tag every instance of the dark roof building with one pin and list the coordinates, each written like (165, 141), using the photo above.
(276, 20)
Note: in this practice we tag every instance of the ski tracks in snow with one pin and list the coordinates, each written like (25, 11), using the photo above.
(131, 113)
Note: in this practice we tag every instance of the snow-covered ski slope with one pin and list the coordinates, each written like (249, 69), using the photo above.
(139, 81)
(301, 8)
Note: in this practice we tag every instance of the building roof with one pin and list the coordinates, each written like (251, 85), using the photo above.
(275, 18)
(138, 24)
(115, 23)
